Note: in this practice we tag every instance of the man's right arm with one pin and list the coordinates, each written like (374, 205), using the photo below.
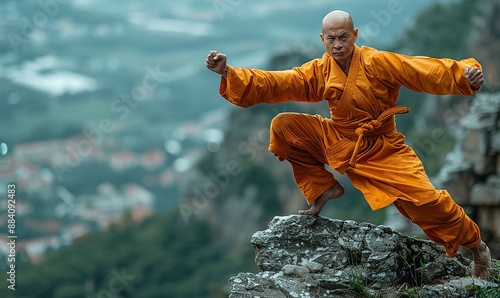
(246, 87)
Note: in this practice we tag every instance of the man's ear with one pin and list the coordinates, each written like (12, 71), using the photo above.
(321, 36)
(355, 34)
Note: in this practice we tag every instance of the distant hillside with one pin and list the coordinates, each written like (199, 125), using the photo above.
(162, 257)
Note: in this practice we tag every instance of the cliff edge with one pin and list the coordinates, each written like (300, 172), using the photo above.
(306, 256)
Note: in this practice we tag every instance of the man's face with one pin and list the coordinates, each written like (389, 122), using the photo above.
(338, 39)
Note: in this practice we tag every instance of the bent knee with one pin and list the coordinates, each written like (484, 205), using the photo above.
(282, 120)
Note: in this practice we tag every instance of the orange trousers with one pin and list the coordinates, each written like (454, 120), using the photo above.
(302, 139)
(444, 222)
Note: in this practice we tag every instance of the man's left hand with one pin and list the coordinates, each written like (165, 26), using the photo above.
(474, 76)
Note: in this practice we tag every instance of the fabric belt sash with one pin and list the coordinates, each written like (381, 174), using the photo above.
(382, 125)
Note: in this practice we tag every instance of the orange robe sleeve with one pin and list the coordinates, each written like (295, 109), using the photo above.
(245, 87)
(423, 74)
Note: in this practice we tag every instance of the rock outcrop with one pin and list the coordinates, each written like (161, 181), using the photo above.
(472, 171)
(486, 45)
(307, 256)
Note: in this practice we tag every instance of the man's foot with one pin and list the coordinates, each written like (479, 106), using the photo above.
(332, 193)
(482, 260)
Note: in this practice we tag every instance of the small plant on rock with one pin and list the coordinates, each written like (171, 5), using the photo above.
(416, 268)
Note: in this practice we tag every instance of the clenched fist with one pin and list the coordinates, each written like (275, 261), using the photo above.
(217, 62)
(474, 76)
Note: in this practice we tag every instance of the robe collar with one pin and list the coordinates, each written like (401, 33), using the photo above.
(353, 68)
(348, 81)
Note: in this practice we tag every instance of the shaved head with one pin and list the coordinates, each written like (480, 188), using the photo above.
(338, 17)
(339, 36)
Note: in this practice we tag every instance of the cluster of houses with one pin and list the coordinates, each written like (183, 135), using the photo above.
(74, 215)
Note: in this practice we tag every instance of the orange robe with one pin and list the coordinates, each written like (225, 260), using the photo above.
(360, 137)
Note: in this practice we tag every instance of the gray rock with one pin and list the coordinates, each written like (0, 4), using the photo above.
(487, 194)
(472, 170)
(307, 256)
(295, 270)
(249, 285)
(458, 288)
(483, 112)
(495, 141)
(313, 266)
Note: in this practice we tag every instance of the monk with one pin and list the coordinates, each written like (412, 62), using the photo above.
(361, 86)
